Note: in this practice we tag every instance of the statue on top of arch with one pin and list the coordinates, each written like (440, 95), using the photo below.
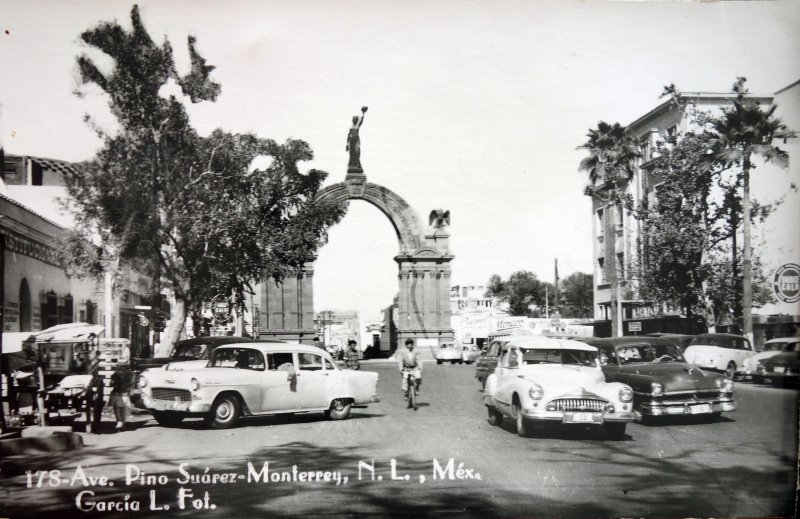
(354, 143)
(439, 218)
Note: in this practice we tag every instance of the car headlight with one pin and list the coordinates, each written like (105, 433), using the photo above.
(625, 394)
(142, 382)
(194, 384)
(536, 392)
(727, 385)
(656, 388)
(760, 367)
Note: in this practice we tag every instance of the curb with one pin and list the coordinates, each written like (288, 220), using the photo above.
(56, 442)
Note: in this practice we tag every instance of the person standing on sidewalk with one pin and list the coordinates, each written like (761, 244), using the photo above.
(119, 398)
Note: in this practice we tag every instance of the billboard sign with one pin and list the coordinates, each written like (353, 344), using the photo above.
(786, 283)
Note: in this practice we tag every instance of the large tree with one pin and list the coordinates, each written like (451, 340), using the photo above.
(576, 295)
(523, 292)
(743, 132)
(188, 209)
(610, 165)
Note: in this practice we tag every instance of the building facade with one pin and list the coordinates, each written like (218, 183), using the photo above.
(38, 290)
(616, 231)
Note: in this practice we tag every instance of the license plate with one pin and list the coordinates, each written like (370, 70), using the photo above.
(777, 370)
(700, 408)
(580, 418)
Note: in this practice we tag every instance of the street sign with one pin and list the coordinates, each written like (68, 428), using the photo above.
(142, 307)
(635, 326)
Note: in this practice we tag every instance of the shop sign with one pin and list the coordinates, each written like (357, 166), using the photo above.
(27, 247)
(221, 308)
(787, 283)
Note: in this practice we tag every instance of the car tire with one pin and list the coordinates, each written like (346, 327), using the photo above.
(225, 412)
(438, 361)
(615, 430)
(524, 427)
(452, 361)
(339, 410)
(495, 416)
(730, 371)
(167, 418)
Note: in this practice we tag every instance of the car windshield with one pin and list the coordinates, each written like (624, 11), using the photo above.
(558, 356)
(195, 351)
(637, 353)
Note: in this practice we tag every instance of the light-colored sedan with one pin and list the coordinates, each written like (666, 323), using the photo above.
(539, 379)
(449, 353)
(470, 354)
(256, 379)
(771, 348)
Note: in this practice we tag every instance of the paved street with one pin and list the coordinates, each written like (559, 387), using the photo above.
(741, 466)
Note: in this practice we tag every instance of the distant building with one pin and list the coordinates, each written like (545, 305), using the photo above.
(472, 313)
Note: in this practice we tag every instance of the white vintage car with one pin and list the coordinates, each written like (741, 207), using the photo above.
(254, 379)
(542, 379)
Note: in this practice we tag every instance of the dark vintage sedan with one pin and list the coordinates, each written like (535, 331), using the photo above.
(782, 369)
(485, 364)
(663, 383)
(682, 340)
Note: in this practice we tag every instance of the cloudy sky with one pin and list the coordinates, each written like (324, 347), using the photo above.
(474, 106)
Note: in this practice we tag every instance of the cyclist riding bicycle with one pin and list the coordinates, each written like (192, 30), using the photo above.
(408, 359)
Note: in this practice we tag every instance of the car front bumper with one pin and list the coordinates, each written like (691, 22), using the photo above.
(693, 407)
(177, 406)
(578, 417)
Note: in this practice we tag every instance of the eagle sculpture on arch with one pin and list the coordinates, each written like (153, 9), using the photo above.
(439, 218)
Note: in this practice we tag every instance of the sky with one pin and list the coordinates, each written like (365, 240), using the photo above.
(476, 107)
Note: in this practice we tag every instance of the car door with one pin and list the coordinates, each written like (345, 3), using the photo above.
(279, 383)
(313, 381)
(506, 373)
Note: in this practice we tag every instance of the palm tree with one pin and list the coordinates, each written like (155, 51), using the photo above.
(742, 131)
(610, 165)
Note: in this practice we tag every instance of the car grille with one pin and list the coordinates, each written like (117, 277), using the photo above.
(579, 404)
(169, 394)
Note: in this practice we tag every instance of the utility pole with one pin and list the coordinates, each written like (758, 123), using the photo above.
(2, 314)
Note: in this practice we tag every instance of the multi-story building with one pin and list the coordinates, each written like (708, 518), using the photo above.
(471, 313)
(616, 231)
(38, 291)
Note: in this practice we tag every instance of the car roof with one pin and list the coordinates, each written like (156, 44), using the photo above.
(631, 340)
(268, 347)
(215, 340)
(783, 339)
(726, 335)
(547, 343)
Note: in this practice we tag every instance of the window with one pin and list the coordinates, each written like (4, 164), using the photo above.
(280, 361)
(621, 265)
(619, 219)
(310, 362)
(601, 263)
(240, 358)
(24, 306)
(601, 226)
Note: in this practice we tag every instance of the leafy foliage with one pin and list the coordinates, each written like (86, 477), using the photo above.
(577, 295)
(523, 291)
(183, 207)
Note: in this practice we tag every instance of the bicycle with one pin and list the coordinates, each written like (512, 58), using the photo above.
(411, 384)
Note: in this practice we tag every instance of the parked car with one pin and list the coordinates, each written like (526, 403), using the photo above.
(722, 352)
(470, 354)
(254, 379)
(449, 353)
(485, 365)
(782, 369)
(539, 379)
(664, 384)
(681, 340)
(771, 348)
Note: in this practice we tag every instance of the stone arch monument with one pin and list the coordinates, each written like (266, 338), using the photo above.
(423, 259)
